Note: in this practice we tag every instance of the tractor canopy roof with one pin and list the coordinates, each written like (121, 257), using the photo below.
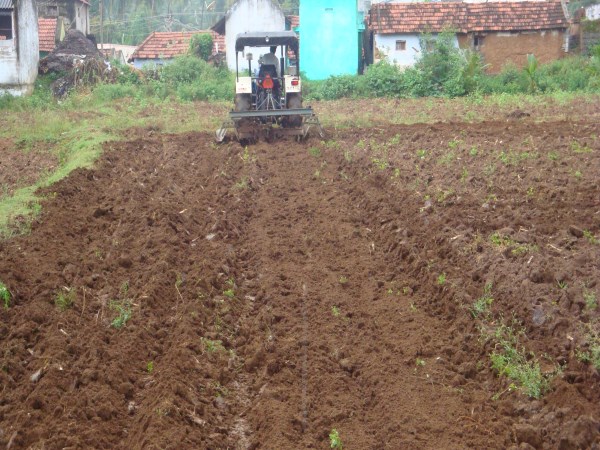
(266, 39)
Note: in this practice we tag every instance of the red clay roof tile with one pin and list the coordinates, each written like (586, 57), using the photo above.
(391, 18)
(47, 34)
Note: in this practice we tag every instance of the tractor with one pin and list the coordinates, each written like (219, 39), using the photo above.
(268, 98)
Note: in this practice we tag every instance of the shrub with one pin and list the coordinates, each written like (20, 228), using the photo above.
(110, 92)
(201, 46)
(383, 80)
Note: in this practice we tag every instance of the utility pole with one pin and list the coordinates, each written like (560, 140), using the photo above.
(101, 24)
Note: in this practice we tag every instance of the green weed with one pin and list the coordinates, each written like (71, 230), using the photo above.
(150, 367)
(481, 306)
(576, 147)
(591, 352)
(473, 151)
(590, 299)
(4, 295)
(501, 241)
(590, 237)
(335, 441)
(343, 280)
(314, 151)
(65, 298)
(441, 279)
(380, 163)
(124, 312)
(335, 310)
(510, 359)
(420, 362)
(553, 156)
(212, 346)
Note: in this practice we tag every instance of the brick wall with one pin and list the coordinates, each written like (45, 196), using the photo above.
(498, 49)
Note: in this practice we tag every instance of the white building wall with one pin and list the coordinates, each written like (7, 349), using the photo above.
(385, 46)
(19, 56)
(81, 17)
(592, 12)
(251, 15)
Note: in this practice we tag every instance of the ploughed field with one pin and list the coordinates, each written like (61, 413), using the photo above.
(408, 286)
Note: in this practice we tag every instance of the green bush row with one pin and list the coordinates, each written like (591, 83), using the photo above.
(447, 71)
(443, 71)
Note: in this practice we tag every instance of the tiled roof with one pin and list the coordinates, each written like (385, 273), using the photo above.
(47, 34)
(85, 2)
(294, 21)
(390, 18)
(165, 45)
(6, 4)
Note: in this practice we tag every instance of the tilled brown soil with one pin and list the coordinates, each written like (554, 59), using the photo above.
(285, 290)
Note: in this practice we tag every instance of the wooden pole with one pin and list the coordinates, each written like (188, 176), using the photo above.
(101, 24)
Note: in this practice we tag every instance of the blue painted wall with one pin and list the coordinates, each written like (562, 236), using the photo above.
(329, 38)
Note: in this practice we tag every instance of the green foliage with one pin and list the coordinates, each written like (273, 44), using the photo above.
(590, 353)
(201, 45)
(4, 295)
(481, 306)
(124, 311)
(65, 298)
(510, 359)
(335, 441)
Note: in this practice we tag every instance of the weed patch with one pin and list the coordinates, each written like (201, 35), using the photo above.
(4, 295)
(124, 312)
(65, 298)
(510, 359)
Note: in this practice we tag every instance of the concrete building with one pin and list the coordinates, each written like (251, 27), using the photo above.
(501, 31)
(331, 37)
(19, 46)
(245, 16)
(74, 13)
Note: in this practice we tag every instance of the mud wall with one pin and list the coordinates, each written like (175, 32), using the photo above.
(501, 48)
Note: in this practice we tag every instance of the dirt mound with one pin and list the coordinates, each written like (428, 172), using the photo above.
(80, 61)
(74, 48)
(261, 297)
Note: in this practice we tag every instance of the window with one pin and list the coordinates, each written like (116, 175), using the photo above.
(477, 41)
(6, 25)
(401, 45)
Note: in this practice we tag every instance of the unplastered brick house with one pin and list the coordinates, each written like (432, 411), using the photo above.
(503, 31)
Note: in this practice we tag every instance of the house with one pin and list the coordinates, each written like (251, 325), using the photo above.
(589, 28)
(51, 32)
(292, 22)
(74, 13)
(245, 16)
(19, 46)
(118, 52)
(330, 37)
(160, 47)
(502, 31)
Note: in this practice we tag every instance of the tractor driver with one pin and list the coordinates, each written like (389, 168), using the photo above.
(270, 59)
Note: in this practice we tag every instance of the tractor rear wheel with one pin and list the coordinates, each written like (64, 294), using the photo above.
(294, 101)
(242, 102)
